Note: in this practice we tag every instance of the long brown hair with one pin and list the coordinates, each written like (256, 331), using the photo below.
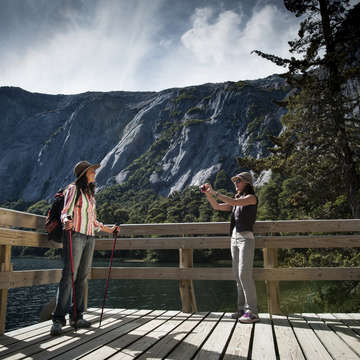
(248, 190)
(87, 188)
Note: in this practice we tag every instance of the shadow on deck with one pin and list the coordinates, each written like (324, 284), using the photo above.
(161, 334)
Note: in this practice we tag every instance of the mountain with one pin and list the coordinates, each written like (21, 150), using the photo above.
(165, 140)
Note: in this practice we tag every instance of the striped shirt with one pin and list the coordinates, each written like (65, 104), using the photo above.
(83, 213)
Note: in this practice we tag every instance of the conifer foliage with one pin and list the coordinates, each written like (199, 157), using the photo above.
(321, 137)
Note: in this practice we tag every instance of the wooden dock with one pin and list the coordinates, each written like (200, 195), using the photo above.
(161, 334)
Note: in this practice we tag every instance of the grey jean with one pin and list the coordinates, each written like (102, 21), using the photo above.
(82, 253)
(242, 252)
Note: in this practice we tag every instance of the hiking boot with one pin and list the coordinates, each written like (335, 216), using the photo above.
(249, 318)
(238, 314)
(56, 328)
(80, 323)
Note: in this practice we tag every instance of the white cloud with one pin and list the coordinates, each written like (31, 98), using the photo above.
(220, 50)
(103, 56)
(212, 43)
(124, 47)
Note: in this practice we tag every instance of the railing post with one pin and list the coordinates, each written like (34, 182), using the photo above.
(187, 293)
(5, 261)
(272, 287)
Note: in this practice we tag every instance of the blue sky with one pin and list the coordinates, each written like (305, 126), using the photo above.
(73, 46)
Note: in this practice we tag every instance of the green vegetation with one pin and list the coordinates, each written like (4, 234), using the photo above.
(236, 86)
(255, 124)
(175, 113)
(194, 110)
(315, 159)
(320, 141)
(53, 135)
(184, 95)
(192, 122)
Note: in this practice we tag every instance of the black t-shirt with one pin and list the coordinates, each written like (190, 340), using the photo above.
(243, 217)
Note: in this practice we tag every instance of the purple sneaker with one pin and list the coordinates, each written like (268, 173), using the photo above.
(249, 318)
(238, 314)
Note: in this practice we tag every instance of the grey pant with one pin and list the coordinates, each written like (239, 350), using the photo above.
(242, 252)
(82, 253)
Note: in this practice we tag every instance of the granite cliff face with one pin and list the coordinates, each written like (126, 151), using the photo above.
(165, 140)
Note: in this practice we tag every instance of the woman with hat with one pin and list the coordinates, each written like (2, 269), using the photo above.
(243, 215)
(79, 220)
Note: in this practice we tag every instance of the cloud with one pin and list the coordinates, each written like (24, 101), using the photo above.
(222, 47)
(123, 45)
(102, 55)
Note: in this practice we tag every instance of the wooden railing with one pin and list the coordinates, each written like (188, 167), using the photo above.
(181, 236)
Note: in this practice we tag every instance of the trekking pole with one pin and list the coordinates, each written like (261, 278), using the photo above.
(72, 276)
(108, 276)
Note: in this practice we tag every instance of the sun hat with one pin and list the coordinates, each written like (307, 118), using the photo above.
(82, 167)
(244, 176)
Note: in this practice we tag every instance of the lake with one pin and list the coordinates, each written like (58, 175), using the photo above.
(24, 304)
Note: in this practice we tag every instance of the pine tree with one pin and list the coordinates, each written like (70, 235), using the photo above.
(321, 140)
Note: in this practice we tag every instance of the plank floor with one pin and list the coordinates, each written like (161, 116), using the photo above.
(160, 334)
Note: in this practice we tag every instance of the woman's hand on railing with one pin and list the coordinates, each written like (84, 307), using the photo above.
(110, 230)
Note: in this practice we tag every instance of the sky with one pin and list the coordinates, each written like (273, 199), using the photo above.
(74, 46)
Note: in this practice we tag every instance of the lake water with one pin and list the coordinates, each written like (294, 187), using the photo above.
(24, 304)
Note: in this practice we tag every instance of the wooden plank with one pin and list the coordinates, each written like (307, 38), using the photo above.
(171, 340)
(26, 238)
(22, 278)
(112, 345)
(334, 345)
(149, 339)
(215, 344)
(40, 339)
(309, 342)
(287, 226)
(307, 241)
(238, 347)
(349, 320)
(27, 332)
(20, 219)
(9, 217)
(342, 331)
(204, 273)
(199, 242)
(175, 229)
(288, 346)
(39, 239)
(16, 279)
(263, 343)
(196, 338)
(85, 340)
(223, 242)
(304, 226)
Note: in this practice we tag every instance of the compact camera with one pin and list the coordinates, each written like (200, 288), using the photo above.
(203, 188)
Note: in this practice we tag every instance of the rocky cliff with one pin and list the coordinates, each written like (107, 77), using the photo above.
(165, 140)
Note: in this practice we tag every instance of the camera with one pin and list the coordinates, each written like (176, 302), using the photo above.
(203, 188)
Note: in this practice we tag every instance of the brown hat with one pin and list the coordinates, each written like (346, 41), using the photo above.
(244, 176)
(82, 167)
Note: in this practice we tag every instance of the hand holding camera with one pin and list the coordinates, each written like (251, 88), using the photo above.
(205, 188)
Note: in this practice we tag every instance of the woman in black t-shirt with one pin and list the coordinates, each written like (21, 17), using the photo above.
(243, 215)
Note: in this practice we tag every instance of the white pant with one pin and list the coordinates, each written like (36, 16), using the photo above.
(242, 252)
